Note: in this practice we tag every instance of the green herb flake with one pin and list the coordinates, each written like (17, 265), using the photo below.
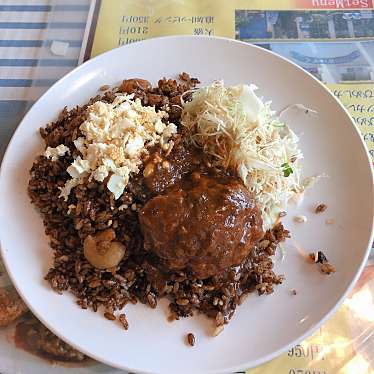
(287, 170)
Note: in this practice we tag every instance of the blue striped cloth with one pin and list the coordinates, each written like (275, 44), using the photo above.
(28, 65)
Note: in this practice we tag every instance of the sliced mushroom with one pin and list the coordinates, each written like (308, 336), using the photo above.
(102, 251)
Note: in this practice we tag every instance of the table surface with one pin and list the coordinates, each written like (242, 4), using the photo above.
(29, 66)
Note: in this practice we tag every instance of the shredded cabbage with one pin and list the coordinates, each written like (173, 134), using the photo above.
(244, 134)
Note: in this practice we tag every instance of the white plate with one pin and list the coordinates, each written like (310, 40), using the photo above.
(262, 327)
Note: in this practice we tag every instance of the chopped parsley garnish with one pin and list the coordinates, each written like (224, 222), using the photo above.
(287, 170)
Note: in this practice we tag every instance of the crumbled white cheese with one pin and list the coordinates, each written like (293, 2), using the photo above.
(134, 145)
(117, 184)
(78, 168)
(69, 185)
(115, 137)
(159, 127)
(100, 173)
(55, 153)
(79, 144)
(169, 130)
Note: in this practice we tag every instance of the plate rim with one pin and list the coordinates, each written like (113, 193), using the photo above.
(267, 357)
